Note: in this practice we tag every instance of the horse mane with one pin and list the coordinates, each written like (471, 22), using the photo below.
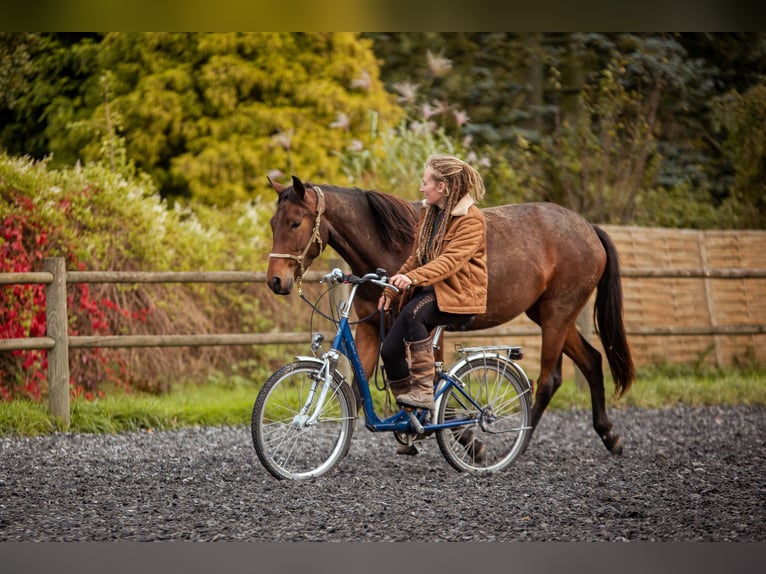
(394, 217)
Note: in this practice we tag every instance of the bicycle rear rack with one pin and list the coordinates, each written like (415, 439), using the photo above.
(513, 352)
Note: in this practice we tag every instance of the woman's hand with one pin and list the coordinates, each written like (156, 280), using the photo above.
(402, 282)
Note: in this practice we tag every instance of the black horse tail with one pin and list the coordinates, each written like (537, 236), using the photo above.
(609, 316)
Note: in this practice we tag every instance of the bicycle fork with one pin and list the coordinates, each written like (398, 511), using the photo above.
(312, 409)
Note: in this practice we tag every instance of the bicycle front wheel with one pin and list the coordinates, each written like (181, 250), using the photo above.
(294, 436)
(499, 410)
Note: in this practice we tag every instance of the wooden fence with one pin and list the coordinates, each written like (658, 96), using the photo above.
(720, 315)
(58, 342)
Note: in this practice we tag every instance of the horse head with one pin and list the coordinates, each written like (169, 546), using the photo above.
(296, 236)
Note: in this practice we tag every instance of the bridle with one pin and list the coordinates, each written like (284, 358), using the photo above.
(315, 236)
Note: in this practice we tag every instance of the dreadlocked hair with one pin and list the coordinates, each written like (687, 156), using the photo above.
(460, 179)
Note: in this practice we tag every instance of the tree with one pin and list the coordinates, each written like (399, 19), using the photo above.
(525, 90)
(208, 116)
(47, 81)
(742, 118)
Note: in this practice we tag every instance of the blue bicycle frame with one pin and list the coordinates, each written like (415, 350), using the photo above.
(405, 420)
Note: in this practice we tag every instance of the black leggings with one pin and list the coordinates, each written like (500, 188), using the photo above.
(415, 322)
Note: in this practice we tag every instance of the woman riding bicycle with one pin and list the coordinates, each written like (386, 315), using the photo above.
(443, 282)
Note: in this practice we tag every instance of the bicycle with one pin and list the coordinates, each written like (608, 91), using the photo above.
(305, 414)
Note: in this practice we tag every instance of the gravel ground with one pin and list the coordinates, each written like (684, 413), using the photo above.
(687, 474)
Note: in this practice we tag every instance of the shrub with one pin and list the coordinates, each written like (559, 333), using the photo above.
(100, 219)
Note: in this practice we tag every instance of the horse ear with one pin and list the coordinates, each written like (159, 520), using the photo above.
(278, 187)
(298, 187)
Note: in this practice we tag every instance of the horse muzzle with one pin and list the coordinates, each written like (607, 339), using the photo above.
(280, 286)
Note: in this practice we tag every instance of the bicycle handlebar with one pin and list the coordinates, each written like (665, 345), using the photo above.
(378, 277)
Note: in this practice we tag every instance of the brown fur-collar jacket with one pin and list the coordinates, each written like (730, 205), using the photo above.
(459, 272)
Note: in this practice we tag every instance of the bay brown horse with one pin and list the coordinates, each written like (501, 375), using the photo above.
(544, 260)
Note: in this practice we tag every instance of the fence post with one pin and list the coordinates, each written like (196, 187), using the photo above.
(701, 242)
(56, 326)
(584, 324)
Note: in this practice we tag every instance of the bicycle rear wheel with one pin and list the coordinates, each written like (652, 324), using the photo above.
(287, 444)
(502, 428)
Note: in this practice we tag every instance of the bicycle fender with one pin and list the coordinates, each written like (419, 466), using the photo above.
(492, 355)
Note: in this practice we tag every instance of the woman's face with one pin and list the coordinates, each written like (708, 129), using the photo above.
(432, 190)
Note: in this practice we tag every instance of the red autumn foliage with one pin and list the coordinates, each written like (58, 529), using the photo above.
(24, 243)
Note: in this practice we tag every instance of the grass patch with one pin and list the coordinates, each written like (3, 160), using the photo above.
(183, 406)
(225, 402)
(24, 418)
(665, 387)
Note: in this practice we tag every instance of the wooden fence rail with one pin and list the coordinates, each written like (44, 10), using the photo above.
(57, 342)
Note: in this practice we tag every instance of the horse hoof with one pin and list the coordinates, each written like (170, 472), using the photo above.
(616, 447)
(478, 450)
(408, 449)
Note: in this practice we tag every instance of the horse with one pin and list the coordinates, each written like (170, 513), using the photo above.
(543, 260)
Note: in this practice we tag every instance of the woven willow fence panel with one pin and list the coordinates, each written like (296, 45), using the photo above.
(657, 304)
(693, 302)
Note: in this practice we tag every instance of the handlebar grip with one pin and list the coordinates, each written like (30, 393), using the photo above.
(334, 275)
(379, 277)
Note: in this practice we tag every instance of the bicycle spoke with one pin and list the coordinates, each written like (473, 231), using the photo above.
(287, 445)
(501, 429)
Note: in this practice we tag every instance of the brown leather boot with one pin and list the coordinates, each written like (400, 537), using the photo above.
(421, 393)
(399, 387)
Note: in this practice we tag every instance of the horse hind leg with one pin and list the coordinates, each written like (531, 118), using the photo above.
(542, 398)
(549, 378)
(547, 384)
(588, 360)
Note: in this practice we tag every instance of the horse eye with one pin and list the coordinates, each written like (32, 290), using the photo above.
(295, 224)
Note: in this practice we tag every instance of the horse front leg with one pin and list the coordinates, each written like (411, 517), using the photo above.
(367, 345)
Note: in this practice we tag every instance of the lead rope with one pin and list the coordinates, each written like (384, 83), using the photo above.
(315, 236)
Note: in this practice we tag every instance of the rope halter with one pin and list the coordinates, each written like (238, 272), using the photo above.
(315, 236)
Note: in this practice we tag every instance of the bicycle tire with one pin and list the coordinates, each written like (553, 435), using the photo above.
(289, 449)
(503, 392)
